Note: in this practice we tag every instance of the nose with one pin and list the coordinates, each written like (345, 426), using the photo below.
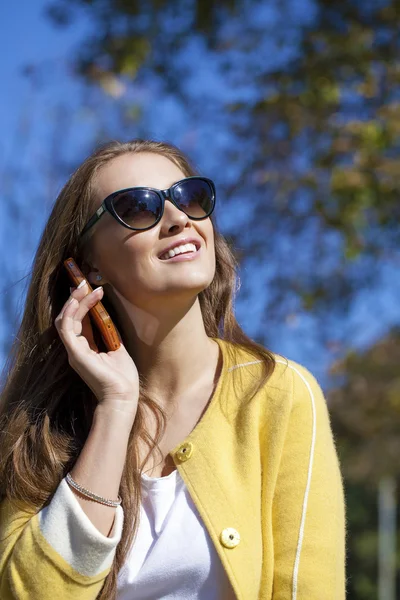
(173, 217)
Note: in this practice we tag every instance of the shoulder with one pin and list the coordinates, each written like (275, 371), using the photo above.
(302, 383)
(294, 372)
(288, 376)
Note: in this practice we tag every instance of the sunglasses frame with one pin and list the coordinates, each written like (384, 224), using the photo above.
(168, 194)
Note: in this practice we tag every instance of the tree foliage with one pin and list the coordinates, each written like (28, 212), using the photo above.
(365, 411)
(307, 95)
(364, 407)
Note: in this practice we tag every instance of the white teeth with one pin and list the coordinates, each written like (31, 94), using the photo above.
(179, 250)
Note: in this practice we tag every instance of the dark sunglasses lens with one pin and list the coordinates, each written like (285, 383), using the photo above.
(139, 209)
(195, 197)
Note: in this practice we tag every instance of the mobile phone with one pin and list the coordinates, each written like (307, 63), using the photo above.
(98, 313)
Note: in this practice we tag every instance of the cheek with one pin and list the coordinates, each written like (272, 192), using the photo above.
(213, 260)
(138, 266)
(210, 239)
(117, 258)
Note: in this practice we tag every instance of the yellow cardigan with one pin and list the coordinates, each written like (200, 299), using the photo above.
(265, 478)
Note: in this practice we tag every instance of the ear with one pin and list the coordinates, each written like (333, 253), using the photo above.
(93, 274)
(95, 277)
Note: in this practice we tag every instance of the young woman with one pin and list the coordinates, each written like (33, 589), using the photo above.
(191, 463)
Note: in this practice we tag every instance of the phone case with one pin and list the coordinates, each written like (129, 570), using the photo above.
(99, 315)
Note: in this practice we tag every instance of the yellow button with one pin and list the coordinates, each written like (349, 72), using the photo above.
(230, 538)
(184, 451)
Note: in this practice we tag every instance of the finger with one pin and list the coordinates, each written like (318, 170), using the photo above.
(61, 313)
(87, 323)
(87, 302)
(74, 313)
(61, 323)
(86, 329)
(76, 292)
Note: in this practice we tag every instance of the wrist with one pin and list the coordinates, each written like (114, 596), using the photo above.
(115, 411)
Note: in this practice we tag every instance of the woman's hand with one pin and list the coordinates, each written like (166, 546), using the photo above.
(112, 376)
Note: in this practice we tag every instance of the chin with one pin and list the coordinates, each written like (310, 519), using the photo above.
(194, 287)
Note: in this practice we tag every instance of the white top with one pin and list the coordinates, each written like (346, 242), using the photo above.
(172, 555)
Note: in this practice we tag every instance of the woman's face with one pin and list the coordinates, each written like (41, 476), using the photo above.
(130, 260)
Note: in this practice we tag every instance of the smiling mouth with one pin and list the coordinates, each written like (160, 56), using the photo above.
(186, 250)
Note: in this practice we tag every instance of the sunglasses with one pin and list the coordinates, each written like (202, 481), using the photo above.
(141, 208)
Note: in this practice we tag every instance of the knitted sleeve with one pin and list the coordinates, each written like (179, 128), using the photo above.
(56, 553)
(309, 526)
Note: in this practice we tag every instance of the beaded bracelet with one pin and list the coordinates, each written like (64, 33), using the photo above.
(90, 494)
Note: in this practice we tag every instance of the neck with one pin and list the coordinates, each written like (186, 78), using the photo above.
(169, 347)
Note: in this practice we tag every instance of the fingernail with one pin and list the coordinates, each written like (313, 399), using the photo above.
(98, 288)
(82, 283)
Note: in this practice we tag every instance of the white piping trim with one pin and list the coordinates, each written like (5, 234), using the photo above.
(305, 501)
(310, 466)
(244, 365)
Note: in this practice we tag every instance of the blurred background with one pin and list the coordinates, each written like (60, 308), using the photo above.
(293, 108)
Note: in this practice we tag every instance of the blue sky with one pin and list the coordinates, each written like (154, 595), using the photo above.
(27, 117)
(27, 37)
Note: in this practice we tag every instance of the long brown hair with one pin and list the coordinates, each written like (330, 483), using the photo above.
(46, 409)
